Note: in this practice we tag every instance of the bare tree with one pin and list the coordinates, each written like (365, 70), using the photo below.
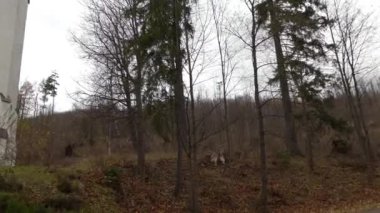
(253, 43)
(26, 97)
(111, 40)
(351, 35)
(197, 62)
(227, 64)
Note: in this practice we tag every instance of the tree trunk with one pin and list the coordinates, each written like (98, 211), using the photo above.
(365, 139)
(353, 98)
(308, 139)
(290, 132)
(140, 133)
(139, 116)
(180, 108)
(263, 200)
(226, 119)
(223, 63)
(109, 138)
(194, 204)
(139, 81)
(132, 124)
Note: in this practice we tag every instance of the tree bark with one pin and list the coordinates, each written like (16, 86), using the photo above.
(309, 138)
(139, 54)
(180, 108)
(290, 132)
(194, 204)
(346, 57)
(223, 63)
(263, 199)
(140, 133)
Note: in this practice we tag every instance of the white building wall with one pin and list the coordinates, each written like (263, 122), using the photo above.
(12, 28)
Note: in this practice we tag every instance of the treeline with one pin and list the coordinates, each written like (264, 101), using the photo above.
(191, 72)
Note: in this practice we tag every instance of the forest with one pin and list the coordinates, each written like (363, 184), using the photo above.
(207, 106)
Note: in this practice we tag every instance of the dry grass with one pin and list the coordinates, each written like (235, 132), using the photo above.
(337, 185)
(332, 188)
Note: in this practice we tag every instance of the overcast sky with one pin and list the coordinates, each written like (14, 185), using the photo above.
(48, 44)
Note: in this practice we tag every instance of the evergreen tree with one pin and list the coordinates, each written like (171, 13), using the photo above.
(169, 21)
(296, 27)
(49, 87)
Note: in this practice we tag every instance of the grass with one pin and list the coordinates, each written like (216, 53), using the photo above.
(30, 174)
(113, 186)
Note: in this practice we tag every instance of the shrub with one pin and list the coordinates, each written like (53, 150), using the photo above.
(112, 179)
(9, 182)
(10, 204)
(64, 203)
(69, 182)
(341, 146)
(65, 186)
(284, 159)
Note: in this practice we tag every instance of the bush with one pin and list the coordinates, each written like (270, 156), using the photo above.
(9, 182)
(69, 182)
(11, 204)
(112, 179)
(64, 203)
(340, 146)
(65, 186)
(284, 159)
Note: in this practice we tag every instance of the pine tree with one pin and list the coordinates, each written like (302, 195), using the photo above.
(169, 21)
(296, 27)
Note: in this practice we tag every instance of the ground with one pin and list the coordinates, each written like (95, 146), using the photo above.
(111, 185)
